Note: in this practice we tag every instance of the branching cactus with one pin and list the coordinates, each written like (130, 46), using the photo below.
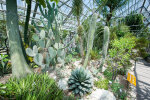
(49, 13)
(90, 38)
(105, 45)
(80, 81)
(49, 47)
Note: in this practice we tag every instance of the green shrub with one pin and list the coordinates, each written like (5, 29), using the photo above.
(68, 58)
(98, 39)
(135, 21)
(118, 91)
(102, 83)
(122, 71)
(121, 50)
(119, 31)
(4, 65)
(141, 45)
(94, 54)
(32, 87)
(80, 81)
(108, 74)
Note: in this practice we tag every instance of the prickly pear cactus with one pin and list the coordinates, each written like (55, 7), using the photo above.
(80, 81)
(49, 49)
(105, 45)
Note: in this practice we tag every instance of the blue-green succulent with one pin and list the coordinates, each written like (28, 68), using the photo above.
(80, 81)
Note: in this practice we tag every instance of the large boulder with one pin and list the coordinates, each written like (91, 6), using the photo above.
(100, 94)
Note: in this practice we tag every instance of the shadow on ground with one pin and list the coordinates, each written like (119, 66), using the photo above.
(142, 73)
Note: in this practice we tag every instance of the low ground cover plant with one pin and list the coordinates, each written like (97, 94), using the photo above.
(32, 87)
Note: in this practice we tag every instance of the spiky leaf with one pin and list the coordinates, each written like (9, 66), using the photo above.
(80, 81)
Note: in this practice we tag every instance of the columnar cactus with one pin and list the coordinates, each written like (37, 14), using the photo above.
(105, 45)
(80, 81)
(90, 38)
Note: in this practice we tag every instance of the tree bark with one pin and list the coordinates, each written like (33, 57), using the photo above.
(19, 66)
(27, 23)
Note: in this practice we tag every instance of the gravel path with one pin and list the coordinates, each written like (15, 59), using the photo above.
(142, 73)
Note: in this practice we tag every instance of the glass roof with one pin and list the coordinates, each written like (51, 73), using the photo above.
(69, 21)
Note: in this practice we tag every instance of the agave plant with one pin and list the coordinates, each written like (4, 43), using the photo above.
(80, 81)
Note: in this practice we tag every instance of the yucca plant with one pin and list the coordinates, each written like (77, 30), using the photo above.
(80, 81)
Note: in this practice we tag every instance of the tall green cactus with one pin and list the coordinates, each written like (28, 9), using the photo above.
(90, 38)
(105, 45)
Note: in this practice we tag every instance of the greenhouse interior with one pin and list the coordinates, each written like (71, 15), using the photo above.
(74, 49)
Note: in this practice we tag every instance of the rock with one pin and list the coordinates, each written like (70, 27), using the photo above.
(62, 83)
(77, 64)
(100, 94)
(52, 75)
(103, 69)
(106, 95)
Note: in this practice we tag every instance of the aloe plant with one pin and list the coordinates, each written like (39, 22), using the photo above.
(90, 38)
(105, 45)
(80, 81)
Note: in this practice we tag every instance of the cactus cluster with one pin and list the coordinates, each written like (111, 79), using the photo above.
(48, 50)
(45, 53)
(80, 81)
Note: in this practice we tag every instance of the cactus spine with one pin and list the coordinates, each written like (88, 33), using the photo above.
(105, 45)
(90, 38)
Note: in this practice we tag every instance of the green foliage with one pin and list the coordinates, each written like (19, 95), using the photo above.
(77, 8)
(95, 54)
(80, 81)
(120, 30)
(121, 49)
(80, 30)
(118, 90)
(134, 21)
(108, 74)
(122, 71)
(55, 1)
(92, 29)
(4, 68)
(32, 87)
(110, 6)
(70, 58)
(3, 36)
(102, 83)
(98, 39)
(141, 45)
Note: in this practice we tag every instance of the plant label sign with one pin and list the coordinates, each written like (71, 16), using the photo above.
(131, 78)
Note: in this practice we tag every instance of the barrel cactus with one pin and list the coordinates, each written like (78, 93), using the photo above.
(80, 81)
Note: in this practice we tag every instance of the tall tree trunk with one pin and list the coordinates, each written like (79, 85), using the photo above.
(19, 66)
(27, 23)
(35, 10)
(109, 16)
